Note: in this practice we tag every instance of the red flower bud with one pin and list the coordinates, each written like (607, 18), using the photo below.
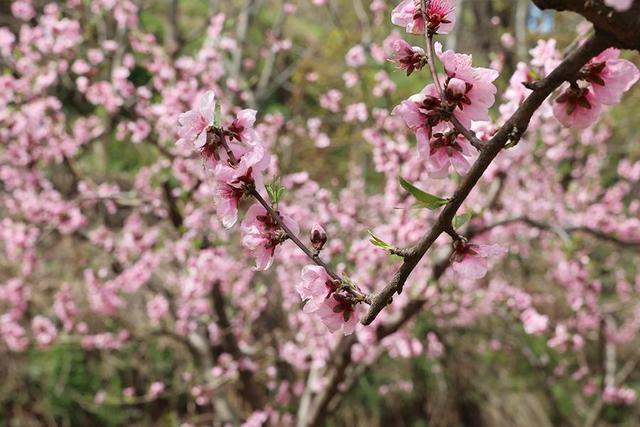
(318, 237)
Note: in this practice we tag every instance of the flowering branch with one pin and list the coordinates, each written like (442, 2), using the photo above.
(511, 131)
(217, 135)
(428, 34)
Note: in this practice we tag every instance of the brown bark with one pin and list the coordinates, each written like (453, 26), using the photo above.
(622, 27)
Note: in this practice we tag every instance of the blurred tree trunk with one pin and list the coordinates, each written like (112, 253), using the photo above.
(520, 26)
(483, 32)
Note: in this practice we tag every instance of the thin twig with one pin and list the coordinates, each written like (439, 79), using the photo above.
(312, 255)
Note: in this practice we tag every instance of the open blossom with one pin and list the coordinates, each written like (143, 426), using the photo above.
(470, 88)
(469, 260)
(422, 113)
(44, 330)
(534, 323)
(408, 57)
(233, 182)
(356, 56)
(610, 76)
(261, 235)
(192, 125)
(443, 151)
(241, 129)
(577, 107)
(315, 287)
(338, 312)
(440, 15)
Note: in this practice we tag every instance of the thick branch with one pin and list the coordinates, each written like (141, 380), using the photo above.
(621, 27)
(512, 130)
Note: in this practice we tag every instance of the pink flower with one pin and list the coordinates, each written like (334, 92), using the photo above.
(242, 129)
(445, 150)
(422, 113)
(157, 308)
(192, 125)
(469, 260)
(356, 56)
(577, 107)
(339, 312)
(261, 235)
(156, 389)
(408, 57)
(233, 182)
(534, 322)
(440, 15)
(470, 89)
(316, 286)
(44, 330)
(619, 5)
(610, 76)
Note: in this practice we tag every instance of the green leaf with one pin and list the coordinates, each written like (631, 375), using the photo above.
(275, 191)
(378, 242)
(461, 220)
(425, 200)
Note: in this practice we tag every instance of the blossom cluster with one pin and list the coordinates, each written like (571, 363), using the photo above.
(238, 160)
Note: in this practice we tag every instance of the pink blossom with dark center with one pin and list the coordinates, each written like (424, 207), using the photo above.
(233, 182)
(339, 312)
(241, 129)
(610, 76)
(261, 235)
(469, 260)
(469, 88)
(577, 107)
(443, 151)
(315, 287)
(440, 16)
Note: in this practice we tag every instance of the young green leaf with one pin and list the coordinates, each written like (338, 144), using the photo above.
(461, 220)
(378, 242)
(425, 200)
(275, 191)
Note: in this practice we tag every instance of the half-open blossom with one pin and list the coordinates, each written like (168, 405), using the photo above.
(469, 260)
(577, 107)
(315, 287)
(440, 16)
(445, 149)
(610, 76)
(408, 57)
(261, 235)
(192, 125)
(339, 312)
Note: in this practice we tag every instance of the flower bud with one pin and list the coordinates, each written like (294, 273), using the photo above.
(456, 87)
(318, 237)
